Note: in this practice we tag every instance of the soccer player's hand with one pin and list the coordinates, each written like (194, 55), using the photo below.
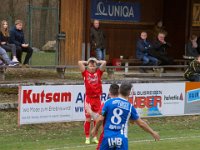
(92, 58)
(25, 45)
(156, 136)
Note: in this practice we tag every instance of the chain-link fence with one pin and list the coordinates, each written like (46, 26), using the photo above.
(43, 27)
(41, 20)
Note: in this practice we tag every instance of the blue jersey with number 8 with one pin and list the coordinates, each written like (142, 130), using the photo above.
(117, 112)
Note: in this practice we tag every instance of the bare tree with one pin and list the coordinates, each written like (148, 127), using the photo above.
(11, 11)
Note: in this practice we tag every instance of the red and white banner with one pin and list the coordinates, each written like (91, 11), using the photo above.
(62, 103)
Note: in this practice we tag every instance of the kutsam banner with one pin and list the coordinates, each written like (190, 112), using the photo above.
(115, 11)
(63, 103)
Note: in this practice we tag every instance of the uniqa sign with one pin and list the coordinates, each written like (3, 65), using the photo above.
(119, 11)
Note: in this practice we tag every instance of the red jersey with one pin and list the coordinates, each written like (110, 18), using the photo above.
(93, 84)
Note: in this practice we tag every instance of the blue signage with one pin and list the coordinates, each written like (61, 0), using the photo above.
(115, 11)
(193, 95)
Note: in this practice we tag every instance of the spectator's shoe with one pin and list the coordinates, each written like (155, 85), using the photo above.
(15, 60)
(12, 64)
(95, 140)
(87, 141)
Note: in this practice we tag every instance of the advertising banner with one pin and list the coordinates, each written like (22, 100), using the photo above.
(158, 99)
(115, 11)
(192, 102)
(40, 104)
(62, 103)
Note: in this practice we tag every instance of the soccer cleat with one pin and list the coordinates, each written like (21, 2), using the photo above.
(87, 141)
(95, 140)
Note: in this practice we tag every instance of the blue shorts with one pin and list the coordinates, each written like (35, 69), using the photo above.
(114, 143)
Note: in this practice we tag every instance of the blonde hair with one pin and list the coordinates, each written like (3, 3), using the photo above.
(18, 22)
(5, 32)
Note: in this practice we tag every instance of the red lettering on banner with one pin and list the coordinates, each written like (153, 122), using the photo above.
(130, 99)
(56, 97)
(26, 96)
(29, 97)
(149, 101)
(48, 97)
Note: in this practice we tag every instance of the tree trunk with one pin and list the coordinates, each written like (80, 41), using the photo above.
(43, 22)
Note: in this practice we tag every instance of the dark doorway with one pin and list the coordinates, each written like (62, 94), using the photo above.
(175, 21)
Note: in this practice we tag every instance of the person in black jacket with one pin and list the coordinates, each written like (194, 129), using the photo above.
(192, 47)
(159, 50)
(4, 40)
(97, 39)
(17, 38)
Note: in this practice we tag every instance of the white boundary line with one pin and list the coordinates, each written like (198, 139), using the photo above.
(138, 141)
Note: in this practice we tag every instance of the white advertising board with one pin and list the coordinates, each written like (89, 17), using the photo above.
(159, 99)
(42, 104)
(62, 103)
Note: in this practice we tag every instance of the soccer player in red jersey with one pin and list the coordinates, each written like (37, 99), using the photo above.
(93, 86)
(113, 92)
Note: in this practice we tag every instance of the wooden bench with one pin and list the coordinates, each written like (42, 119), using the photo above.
(158, 71)
(138, 62)
(128, 61)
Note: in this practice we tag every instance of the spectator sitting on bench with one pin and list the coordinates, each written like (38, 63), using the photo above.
(159, 50)
(192, 73)
(4, 40)
(17, 38)
(191, 47)
(142, 50)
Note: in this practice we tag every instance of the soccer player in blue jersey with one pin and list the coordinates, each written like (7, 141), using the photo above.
(116, 114)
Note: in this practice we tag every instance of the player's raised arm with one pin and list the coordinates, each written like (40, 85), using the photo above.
(102, 65)
(81, 65)
(142, 124)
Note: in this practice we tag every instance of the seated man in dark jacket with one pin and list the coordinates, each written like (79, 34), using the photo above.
(193, 71)
(17, 38)
(159, 50)
(142, 50)
(192, 47)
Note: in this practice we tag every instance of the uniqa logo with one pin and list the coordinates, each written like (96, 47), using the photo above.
(114, 10)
